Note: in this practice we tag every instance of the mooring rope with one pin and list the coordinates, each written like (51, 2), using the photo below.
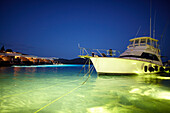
(34, 90)
(88, 76)
(83, 67)
(57, 99)
(88, 72)
(92, 68)
(45, 87)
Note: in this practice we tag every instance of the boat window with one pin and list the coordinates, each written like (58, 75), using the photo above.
(149, 42)
(143, 42)
(144, 55)
(129, 56)
(149, 56)
(136, 42)
(154, 44)
(131, 44)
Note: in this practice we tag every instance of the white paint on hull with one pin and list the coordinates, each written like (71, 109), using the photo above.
(120, 65)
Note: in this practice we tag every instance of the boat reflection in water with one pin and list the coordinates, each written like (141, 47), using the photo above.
(134, 93)
(151, 80)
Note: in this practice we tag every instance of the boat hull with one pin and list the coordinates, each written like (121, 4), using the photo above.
(116, 66)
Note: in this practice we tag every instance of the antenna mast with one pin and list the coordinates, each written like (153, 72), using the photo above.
(138, 31)
(150, 18)
(154, 26)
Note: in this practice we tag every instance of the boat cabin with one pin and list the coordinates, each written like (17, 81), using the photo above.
(143, 41)
(143, 48)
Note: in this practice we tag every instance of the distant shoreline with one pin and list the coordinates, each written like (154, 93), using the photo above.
(58, 62)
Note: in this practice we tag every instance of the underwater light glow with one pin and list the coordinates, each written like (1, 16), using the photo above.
(134, 90)
(137, 72)
(97, 110)
(57, 90)
(164, 95)
(151, 92)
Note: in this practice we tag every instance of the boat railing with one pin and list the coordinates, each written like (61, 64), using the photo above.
(98, 52)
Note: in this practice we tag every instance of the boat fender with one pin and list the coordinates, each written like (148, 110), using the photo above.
(145, 68)
(151, 69)
(156, 68)
(162, 69)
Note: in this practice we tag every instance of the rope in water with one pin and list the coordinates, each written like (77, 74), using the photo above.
(34, 90)
(67, 92)
(88, 76)
(89, 69)
(43, 87)
(83, 66)
(57, 99)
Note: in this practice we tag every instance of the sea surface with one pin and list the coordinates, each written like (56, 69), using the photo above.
(64, 89)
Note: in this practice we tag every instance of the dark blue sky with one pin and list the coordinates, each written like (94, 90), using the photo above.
(53, 28)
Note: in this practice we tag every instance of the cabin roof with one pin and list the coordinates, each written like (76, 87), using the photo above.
(144, 38)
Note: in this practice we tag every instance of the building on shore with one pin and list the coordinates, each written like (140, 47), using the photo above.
(8, 58)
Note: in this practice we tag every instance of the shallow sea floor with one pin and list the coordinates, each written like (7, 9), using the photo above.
(59, 89)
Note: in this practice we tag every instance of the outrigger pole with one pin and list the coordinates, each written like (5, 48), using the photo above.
(150, 17)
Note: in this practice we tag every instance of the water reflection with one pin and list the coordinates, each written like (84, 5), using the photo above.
(35, 87)
(156, 79)
(140, 93)
(16, 71)
(30, 70)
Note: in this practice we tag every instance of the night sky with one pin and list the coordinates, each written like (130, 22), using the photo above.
(53, 28)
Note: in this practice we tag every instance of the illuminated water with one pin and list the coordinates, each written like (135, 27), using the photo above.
(58, 89)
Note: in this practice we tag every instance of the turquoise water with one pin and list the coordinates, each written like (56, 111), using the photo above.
(59, 89)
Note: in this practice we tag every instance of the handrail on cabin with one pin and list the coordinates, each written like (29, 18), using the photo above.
(97, 52)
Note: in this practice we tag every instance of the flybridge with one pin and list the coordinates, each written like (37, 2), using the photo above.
(143, 41)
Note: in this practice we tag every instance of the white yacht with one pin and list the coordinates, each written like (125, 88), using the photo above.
(142, 56)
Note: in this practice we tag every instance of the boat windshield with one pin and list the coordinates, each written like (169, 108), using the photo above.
(137, 42)
(143, 42)
(144, 56)
(149, 42)
(131, 43)
(154, 44)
